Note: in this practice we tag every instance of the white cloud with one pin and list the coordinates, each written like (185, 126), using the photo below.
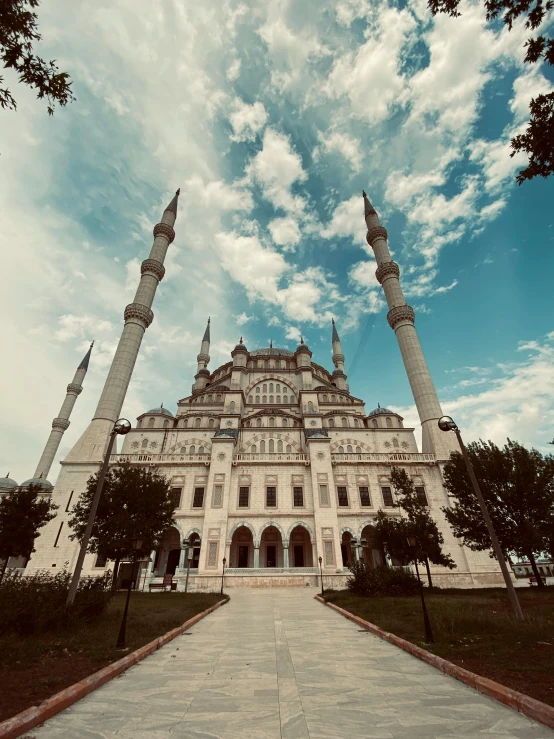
(285, 231)
(347, 221)
(348, 147)
(292, 333)
(363, 274)
(233, 70)
(243, 318)
(247, 120)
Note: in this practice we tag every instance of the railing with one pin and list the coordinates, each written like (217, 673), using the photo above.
(272, 457)
(388, 458)
(254, 571)
(160, 458)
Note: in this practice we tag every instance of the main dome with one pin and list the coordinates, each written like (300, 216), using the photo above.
(6, 483)
(272, 352)
(160, 411)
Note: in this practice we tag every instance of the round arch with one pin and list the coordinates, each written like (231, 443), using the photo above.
(354, 442)
(186, 442)
(266, 526)
(272, 378)
(237, 526)
(273, 434)
(194, 531)
(302, 525)
(362, 527)
(345, 530)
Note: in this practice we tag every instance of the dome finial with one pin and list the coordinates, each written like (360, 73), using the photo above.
(301, 339)
(271, 343)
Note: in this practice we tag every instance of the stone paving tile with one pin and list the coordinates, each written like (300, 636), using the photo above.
(275, 664)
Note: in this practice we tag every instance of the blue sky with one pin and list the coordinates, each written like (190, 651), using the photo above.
(272, 118)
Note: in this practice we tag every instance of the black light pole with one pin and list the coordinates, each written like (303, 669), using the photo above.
(446, 423)
(321, 574)
(121, 427)
(412, 543)
(121, 642)
(223, 574)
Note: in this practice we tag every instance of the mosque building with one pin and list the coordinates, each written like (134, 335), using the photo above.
(272, 462)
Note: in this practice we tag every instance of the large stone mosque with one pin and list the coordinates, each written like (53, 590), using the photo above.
(272, 462)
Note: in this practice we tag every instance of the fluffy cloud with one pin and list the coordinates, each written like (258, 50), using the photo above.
(247, 120)
(285, 231)
(334, 142)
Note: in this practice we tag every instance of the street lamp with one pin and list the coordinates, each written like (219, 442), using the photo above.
(412, 543)
(121, 427)
(121, 645)
(321, 574)
(446, 423)
(354, 548)
(223, 574)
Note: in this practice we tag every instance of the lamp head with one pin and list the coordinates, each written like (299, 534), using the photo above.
(224, 561)
(446, 423)
(190, 554)
(137, 543)
(412, 541)
(320, 560)
(122, 426)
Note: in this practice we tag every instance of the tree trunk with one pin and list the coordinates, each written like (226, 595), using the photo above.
(115, 572)
(4, 569)
(428, 572)
(535, 570)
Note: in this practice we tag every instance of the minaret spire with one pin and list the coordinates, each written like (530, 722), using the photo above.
(138, 316)
(61, 422)
(401, 319)
(339, 378)
(202, 371)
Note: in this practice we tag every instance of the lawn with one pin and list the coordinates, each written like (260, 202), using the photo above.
(34, 668)
(475, 629)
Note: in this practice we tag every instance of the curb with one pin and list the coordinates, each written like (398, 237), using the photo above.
(530, 707)
(31, 717)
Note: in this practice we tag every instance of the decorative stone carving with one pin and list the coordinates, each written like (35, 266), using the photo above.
(387, 444)
(135, 445)
(377, 232)
(404, 445)
(74, 389)
(162, 229)
(153, 267)
(399, 314)
(313, 423)
(320, 455)
(387, 269)
(139, 312)
(221, 457)
(60, 423)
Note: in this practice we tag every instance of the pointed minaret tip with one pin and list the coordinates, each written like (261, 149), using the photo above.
(207, 332)
(335, 333)
(173, 205)
(86, 359)
(369, 209)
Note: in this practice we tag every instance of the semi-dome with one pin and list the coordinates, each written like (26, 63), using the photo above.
(161, 411)
(382, 412)
(6, 483)
(39, 482)
(272, 351)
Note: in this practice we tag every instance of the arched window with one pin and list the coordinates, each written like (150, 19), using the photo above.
(279, 446)
(262, 447)
(192, 450)
(341, 450)
(264, 399)
(271, 398)
(349, 449)
(374, 422)
(232, 406)
(285, 422)
(144, 443)
(272, 422)
(289, 449)
(151, 422)
(185, 423)
(166, 424)
(253, 449)
(250, 398)
(333, 398)
(139, 424)
(285, 398)
(331, 422)
(200, 450)
(270, 387)
(356, 423)
(323, 398)
(258, 399)
(197, 422)
(211, 423)
(218, 399)
(210, 398)
(277, 364)
(183, 450)
(266, 364)
(310, 406)
(399, 423)
(258, 421)
(389, 422)
(278, 399)
(271, 445)
(358, 450)
(265, 388)
(395, 442)
(344, 421)
(277, 388)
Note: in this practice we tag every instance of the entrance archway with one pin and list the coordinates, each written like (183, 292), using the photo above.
(168, 553)
(371, 554)
(271, 548)
(300, 548)
(346, 548)
(241, 552)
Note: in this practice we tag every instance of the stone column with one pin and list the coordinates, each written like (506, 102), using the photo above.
(256, 557)
(286, 554)
(182, 559)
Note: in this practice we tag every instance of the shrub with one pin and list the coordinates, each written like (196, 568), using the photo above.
(36, 604)
(381, 581)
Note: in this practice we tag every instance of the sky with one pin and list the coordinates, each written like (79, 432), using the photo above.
(271, 118)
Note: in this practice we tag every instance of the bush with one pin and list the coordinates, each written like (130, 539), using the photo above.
(36, 604)
(381, 581)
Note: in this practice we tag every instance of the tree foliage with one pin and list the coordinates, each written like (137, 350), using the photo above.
(22, 513)
(391, 532)
(518, 487)
(18, 32)
(538, 140)
(135, 502)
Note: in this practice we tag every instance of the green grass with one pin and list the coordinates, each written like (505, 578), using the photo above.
(475, 629)
(34, 667)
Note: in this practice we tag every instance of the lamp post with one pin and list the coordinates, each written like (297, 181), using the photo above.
(121, 427)
(190, 554)
(446, 423)
(121, 645)
(223, 574)
(320, 560)
(412, 543)
(354, 549)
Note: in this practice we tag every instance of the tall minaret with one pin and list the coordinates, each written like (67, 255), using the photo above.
(138, 316)
(61, 422)
(339, 378)
(202, 372)
(401, 319)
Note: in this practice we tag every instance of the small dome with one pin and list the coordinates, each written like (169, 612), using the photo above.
(40, 482)
(272, 352)
(161, 411)
(6, 483)
(382, 412)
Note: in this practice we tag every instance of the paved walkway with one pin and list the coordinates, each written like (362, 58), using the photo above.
(276, 663)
